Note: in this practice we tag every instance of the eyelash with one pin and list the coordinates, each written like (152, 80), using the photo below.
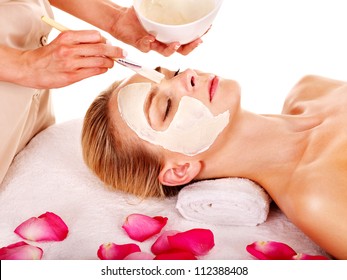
(168, 107)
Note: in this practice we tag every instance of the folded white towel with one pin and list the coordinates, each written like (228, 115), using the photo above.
(226, 201)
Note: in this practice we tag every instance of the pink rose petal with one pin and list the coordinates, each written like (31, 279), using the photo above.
(270, 250)
(301, 256)
(176, 255)
(112, 251)
(139, 256)
(20, 251)
(162, 245)
(141, 227)
(47, 227)
(197, 241)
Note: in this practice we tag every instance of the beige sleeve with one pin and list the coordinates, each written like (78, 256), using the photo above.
(23, 113)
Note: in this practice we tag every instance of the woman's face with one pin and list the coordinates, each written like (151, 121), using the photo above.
(162, 101)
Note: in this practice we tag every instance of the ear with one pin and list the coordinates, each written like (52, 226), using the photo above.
(179, 174)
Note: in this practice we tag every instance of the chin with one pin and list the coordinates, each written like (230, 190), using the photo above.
(229, 98)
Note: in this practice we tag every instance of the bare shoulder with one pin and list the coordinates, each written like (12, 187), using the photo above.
(308, 88)
(318, 205)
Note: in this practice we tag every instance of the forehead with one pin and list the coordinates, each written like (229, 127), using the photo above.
(126, 133)
(136, 78)
(113, 104)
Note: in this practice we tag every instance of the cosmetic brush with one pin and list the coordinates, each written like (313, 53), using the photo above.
(148, 73)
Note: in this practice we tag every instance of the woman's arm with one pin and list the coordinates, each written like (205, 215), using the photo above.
(103, 14)
(121, 23)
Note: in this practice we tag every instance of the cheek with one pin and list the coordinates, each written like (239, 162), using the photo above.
(193, 129)
(231, 97)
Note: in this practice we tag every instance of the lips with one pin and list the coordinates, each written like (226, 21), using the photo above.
(213, 87)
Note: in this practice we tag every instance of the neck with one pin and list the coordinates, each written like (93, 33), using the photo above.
(263, 148)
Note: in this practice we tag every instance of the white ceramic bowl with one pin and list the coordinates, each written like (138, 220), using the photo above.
(182, 33)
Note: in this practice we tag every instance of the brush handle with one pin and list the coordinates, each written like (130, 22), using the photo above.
(54, 24)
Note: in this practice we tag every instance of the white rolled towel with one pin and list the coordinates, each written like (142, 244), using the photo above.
(225, 201)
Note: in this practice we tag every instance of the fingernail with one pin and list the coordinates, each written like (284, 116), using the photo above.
(124, 53)
(177, 46)
(108, 42)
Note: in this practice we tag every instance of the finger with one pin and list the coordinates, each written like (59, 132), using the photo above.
(145, 43)
(186, 49)
(77, 63)
(171, 48)
(164, 49)
(99, 50)
(68, 78)
(94, 62)
(81, 36)
(84, 73)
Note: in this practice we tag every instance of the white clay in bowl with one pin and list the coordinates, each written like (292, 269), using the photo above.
(180, 21)
(176, 12)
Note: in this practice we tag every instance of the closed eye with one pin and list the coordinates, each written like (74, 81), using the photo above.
(168, 107)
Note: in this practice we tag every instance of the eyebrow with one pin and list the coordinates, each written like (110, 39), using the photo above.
(148, 102)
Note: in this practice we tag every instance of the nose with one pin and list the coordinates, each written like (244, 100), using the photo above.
(188, 79)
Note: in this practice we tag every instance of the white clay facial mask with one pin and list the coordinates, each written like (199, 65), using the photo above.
(175, 12)
(192, 130)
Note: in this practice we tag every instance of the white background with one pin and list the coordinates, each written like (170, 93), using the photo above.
(267, 46)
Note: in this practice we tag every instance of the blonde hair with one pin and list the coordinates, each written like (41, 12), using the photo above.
(119, 163)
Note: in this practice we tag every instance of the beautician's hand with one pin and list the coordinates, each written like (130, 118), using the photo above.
(128, 29)
(71, 57)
